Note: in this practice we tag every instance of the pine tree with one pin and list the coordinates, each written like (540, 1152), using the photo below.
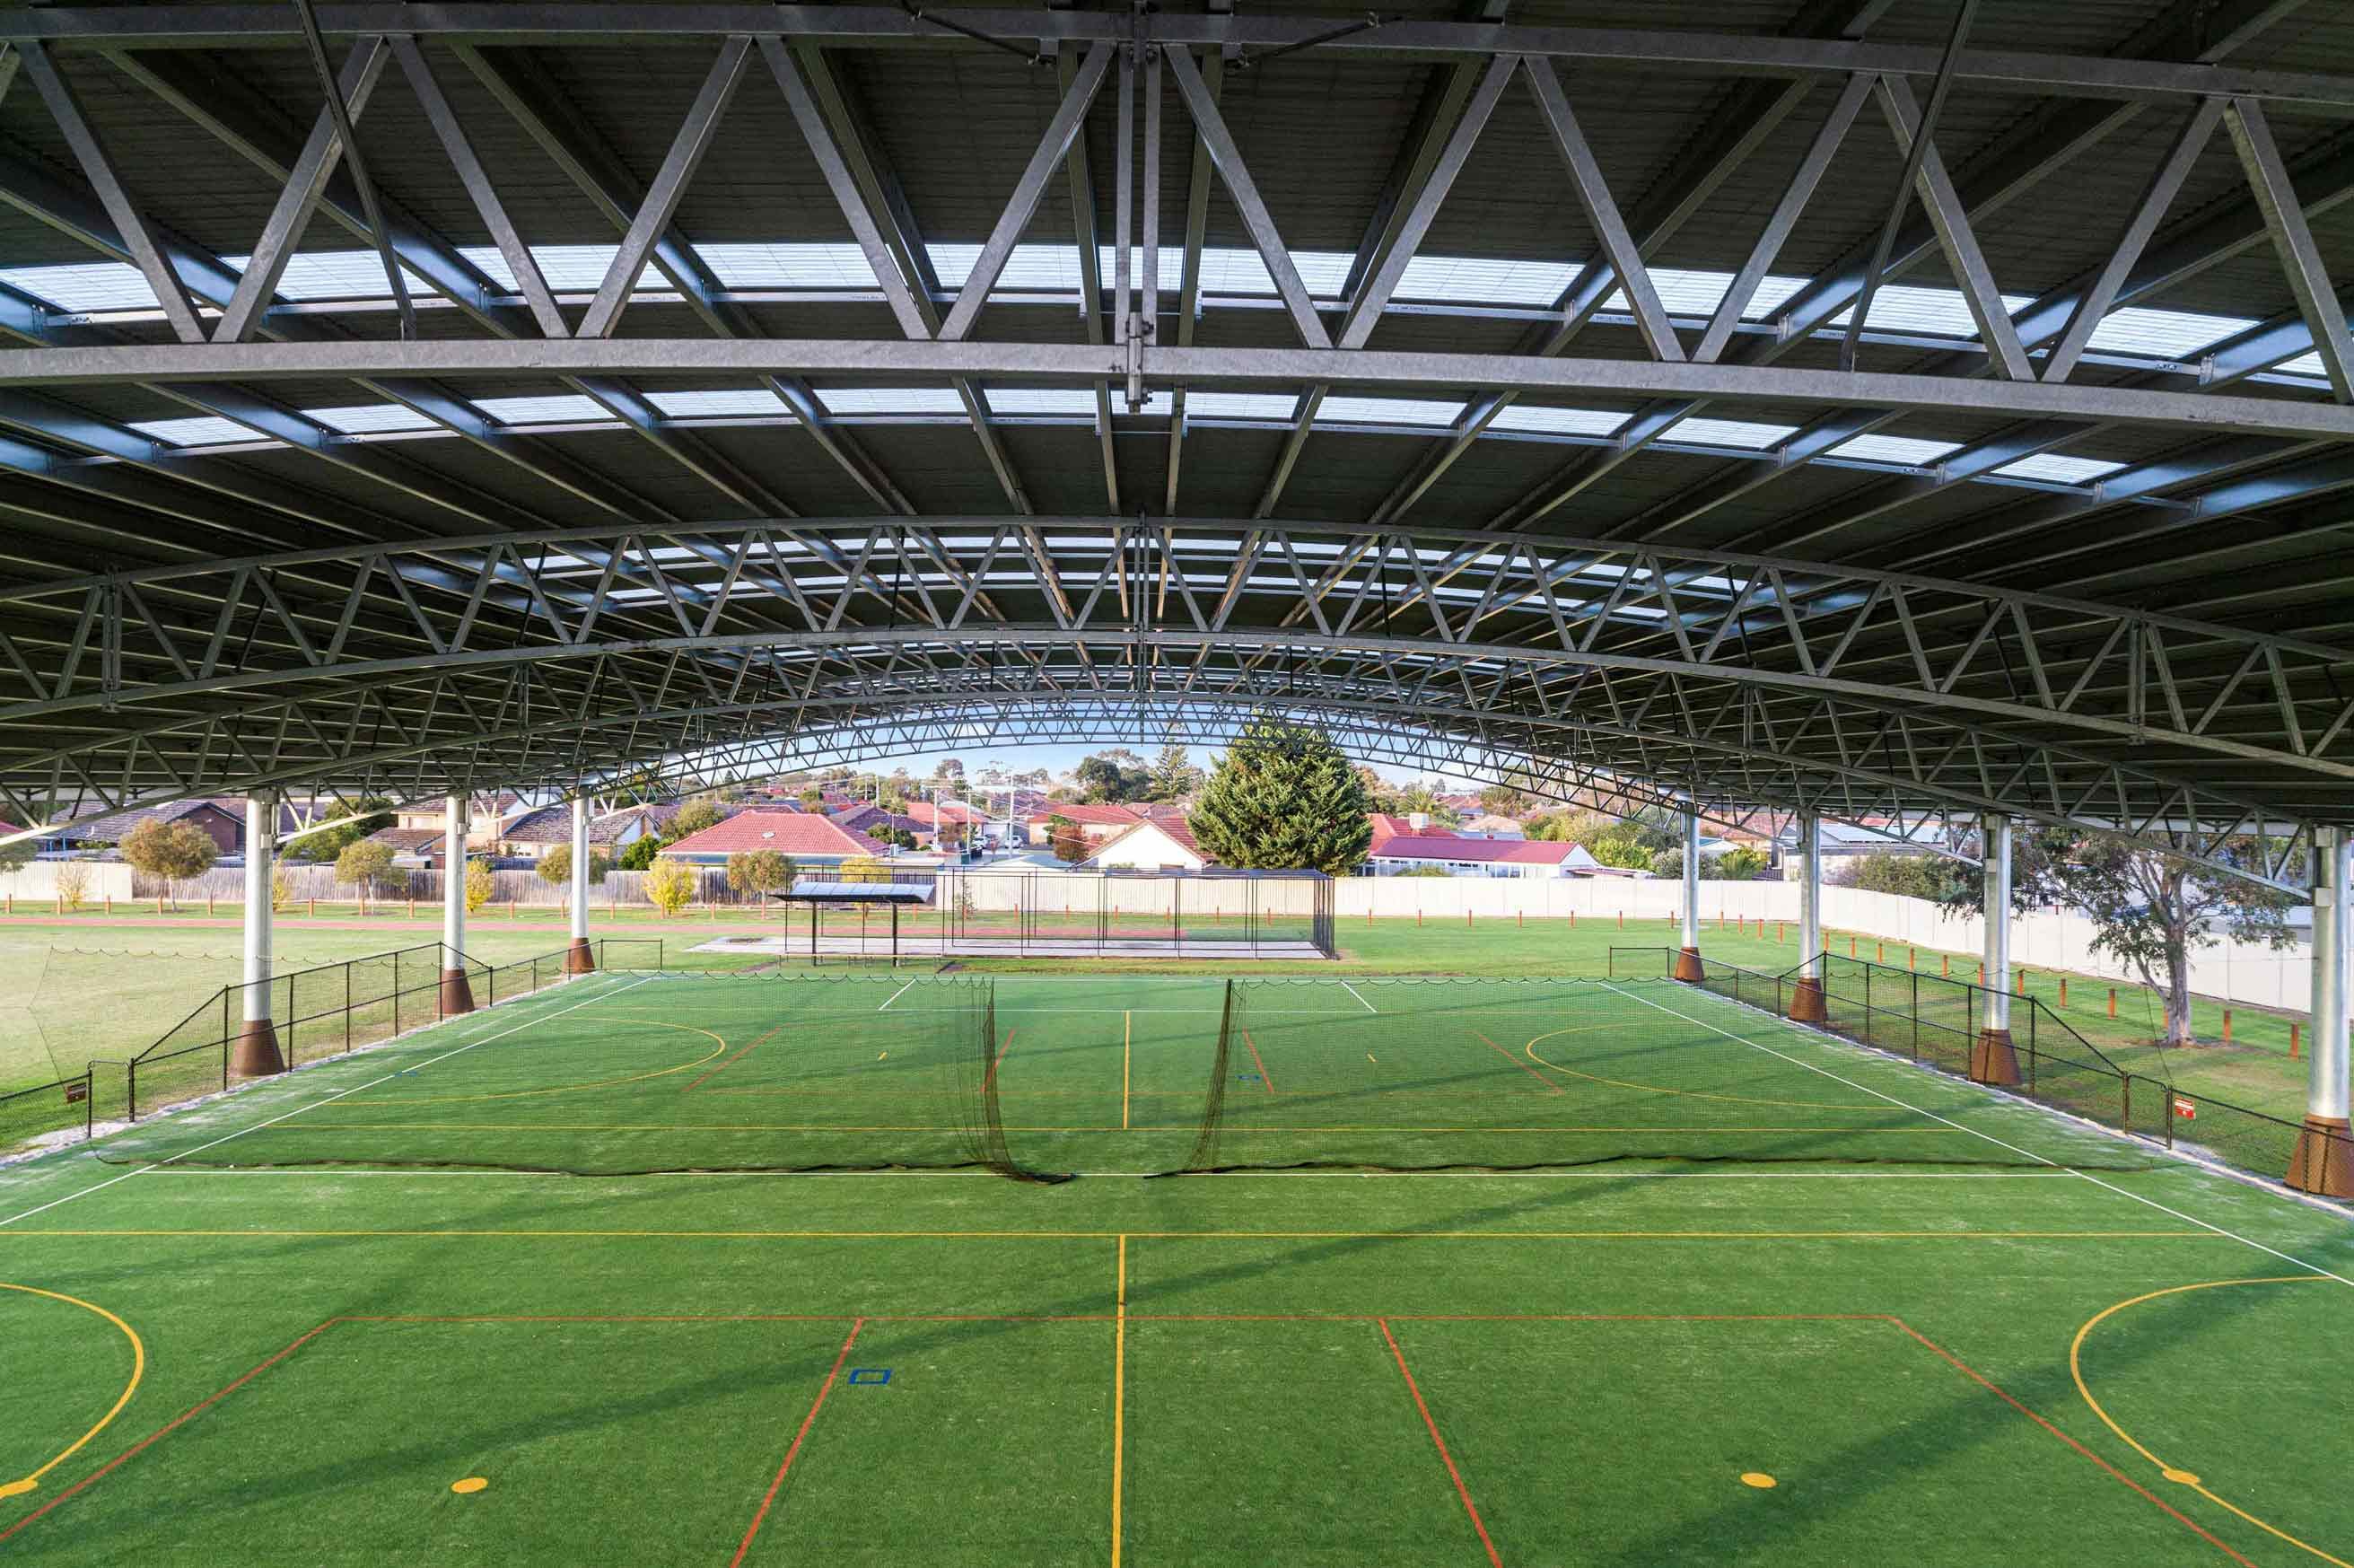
(1284, 798)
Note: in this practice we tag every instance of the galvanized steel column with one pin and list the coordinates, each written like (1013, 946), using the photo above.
(255, 1050)
(2324, 1161)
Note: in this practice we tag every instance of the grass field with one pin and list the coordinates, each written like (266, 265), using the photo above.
(1817, 1308)
(92, 1007)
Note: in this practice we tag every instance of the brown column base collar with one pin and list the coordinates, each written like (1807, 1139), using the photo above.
(2324, 1161)
(457, 995)
(579, 959)
(1807, 1002)
(1993, 1060)
(1687, 965)
(254, 1053)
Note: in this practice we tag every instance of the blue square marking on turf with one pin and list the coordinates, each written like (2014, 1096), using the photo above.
(870, 1375)
(1247, 1078)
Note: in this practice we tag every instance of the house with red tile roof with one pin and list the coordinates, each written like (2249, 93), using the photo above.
(1388, 825)
(1459, 856)
(809, 839)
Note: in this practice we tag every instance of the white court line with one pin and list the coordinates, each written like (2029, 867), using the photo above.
(1368, 1006)
(298, 1110)
(2058, 1173)
(1932, 1115)
(893, 997)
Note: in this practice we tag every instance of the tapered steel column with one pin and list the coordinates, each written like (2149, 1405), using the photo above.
(578, 959)
(1806, 999)
(2324, 1161)
(457, 995)
(1992, 1058)
(1688, 957)
(254, 1053)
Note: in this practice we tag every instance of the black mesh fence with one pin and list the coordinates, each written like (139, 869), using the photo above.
(631, 953)
(29, 1116)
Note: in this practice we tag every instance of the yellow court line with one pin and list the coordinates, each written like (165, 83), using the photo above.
(560, 1088)
(1118, 1395)
(138, 1370)
(1179, 1236)
(1691, 1094)
(1127, 1033)
(2181, 1477)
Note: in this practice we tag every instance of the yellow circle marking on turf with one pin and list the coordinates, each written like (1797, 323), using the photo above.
(19, 1487)
(471, 1484)
(2181, 1477)
(1757, 1479)
(719, 1048)
(1690, 1094)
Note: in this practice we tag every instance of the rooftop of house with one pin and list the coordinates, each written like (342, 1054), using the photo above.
(787, 832)
(1087, 813)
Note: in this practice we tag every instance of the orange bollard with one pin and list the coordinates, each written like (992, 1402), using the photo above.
(1522, 919)
(2063, 990)
(1777, 931)
(1912, 958)
(1851, 946)
(1466, 919)
(2291, 1042)
(1946, 965)
(310, 908)
(1418, 919)
(1981, 971)
(208, 903)
(1572, 919)
(1879, 952)
(2227, 1026)
(1622, 919)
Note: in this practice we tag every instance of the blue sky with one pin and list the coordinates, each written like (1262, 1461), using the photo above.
(1063, 759)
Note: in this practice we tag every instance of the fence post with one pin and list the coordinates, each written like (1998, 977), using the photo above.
(348, 1007)
(2227, 1026)
(2113, 1001)
(1916, 982)
(2291, 1042)
(2063, 990)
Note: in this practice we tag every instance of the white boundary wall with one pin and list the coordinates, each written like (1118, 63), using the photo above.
(38, 879)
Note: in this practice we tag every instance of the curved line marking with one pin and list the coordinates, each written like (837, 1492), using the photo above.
(720, 1049)
(2076, 1370)
(1690, 1094)
(138, 1371)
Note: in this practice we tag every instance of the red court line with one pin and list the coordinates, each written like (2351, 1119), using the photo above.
(1988, 1383)
(1524, 1066)
(160, 1433)
(1261, 1066)
(1461, 1490)
(990, 1077)
(730, 1061)
(791, 1454)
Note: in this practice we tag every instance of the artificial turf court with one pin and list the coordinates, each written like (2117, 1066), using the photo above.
(1947, 1327)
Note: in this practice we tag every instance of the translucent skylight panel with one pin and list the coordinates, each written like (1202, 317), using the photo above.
(201, 430)
(1388, 411)
(336, 275)
(1240, 404)
(1899, 307)
(1557, 421)
(1749, 435)
(1484, 279)
(1070, 400)
(1048, 268)
(558, 408)
(2302, 364)
(802, 266)
(1895, 449)
(2059, 468)
(85, 286)
(1239, 270)
(1684, 291)
(855, 400)
(2165, 334)
(731, 402)
(370, 418)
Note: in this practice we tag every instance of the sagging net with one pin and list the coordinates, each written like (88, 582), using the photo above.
(746, 1073)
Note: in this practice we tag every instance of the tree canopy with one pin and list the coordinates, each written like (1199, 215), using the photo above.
(1284, 798)
(171, 851)
(1118, 775)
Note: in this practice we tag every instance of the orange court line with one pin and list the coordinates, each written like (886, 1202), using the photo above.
(729, 1063)
(1449, 1459)
(1265, 1081)
(989, 1079)
(1550, 1086)
(791, 1454)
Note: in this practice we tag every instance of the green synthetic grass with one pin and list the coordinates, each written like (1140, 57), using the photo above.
(1568, 1367)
